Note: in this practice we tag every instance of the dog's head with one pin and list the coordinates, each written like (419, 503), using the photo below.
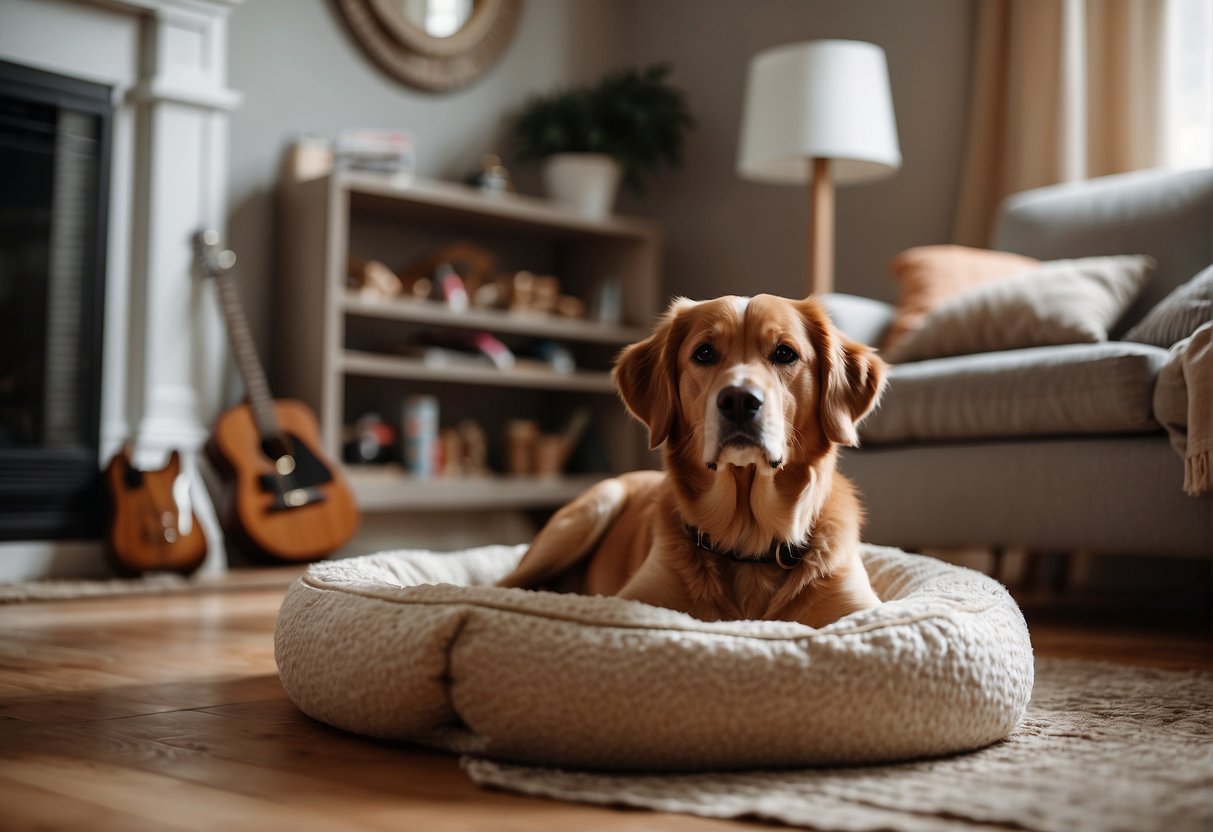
(749, 381)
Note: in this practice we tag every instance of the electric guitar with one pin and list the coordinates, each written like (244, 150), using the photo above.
(152, 527)
(282, 498)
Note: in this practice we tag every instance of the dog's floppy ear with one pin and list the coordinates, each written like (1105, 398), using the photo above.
(646, 375)
(851, 377)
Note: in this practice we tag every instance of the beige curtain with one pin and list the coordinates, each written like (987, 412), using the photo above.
(1061, 90)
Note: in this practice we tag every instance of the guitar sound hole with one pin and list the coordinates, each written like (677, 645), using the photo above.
(308, 471)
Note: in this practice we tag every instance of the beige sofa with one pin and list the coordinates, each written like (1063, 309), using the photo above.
(1052, 448)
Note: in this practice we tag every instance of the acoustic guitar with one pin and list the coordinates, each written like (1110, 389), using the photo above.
(283, 499)
(152, 525)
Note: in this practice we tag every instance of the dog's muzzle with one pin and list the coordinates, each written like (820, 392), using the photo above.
(739, 409)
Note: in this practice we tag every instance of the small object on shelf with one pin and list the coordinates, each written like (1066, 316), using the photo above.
(474, 264)
(378, 151)
(419, 431)
(475, 448)
(496, 351)
(545, 292)
(464, 450)
(452, 453)
(530, 452)
(493, 177)
(421, 288)
(552, 450)
(608, 302)
(522, 289)
(557, 356)
(369, 440)
(528, 293)
(353, 272)
(310, 157)
(492, 295)
(374, 278)
(568, 306)
(521, 437)
(550, 455)
(432, 355)
(533, 293)
(454, 294)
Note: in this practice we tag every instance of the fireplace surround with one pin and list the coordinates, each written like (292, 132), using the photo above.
(163, 354)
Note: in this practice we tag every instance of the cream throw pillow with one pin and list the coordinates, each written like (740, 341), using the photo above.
(1179, 314)
(1059, 302)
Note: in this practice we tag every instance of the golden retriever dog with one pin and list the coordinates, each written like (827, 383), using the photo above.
(751, 398)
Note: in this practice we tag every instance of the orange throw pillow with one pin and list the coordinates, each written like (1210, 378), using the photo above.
(929, 276)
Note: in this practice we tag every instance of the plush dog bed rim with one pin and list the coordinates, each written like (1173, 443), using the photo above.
(389, 595)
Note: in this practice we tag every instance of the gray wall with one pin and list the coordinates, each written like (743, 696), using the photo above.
(300, 71)
(728, 236)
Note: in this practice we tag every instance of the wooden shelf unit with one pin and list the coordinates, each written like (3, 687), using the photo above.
(390, 489)
(326, 338)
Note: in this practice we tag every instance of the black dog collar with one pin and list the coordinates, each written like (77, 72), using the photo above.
(787, 555)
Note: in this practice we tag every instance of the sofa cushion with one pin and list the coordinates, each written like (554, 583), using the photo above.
(1179, 315)
(1061, 390)
(1060, 302)
(930, 276)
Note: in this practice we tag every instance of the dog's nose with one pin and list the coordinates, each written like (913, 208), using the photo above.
(739, 404)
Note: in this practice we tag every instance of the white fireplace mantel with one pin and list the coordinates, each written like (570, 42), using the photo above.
(164, 347)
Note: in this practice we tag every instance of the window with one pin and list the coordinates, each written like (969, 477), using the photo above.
(1188, 136)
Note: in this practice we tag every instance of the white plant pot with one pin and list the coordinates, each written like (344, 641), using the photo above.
(586, 183)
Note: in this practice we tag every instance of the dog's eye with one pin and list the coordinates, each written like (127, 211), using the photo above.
(784, 355)
(704, 354)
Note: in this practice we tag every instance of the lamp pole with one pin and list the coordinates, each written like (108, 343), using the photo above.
(821, 228)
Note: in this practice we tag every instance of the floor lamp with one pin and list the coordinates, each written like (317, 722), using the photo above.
(819, 112)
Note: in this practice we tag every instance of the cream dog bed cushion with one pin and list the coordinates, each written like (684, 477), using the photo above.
(420, 646)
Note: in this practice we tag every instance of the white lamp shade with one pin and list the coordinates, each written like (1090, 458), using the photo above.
(821, 99)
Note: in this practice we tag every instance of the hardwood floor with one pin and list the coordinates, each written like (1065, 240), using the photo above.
(165, 712)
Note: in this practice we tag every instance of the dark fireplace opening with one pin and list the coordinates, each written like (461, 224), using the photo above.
(54, 192)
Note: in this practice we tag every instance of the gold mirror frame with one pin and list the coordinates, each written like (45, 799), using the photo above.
(420, 60)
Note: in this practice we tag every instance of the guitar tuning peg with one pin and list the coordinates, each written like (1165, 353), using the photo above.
(210, 237)
(227, 259)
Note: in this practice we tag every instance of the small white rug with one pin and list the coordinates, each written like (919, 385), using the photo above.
(1103, 747)
(155, 583)
(71, 590)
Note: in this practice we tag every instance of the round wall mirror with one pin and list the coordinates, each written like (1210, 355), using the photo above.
(433, 45)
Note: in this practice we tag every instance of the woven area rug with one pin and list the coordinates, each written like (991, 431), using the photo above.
(1103, 747)
(151, 584)
(64, 590)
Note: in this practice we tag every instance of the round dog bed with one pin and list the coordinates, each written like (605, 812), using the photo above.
(420, 646)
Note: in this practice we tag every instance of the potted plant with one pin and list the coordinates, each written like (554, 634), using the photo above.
(625, 127)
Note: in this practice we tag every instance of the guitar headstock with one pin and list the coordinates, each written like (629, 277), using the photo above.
(211, 259)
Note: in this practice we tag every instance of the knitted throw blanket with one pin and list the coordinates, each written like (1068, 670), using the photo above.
(1183, 403)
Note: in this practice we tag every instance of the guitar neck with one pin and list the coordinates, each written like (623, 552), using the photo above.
(251, 371)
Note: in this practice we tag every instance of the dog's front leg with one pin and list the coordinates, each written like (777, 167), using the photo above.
(657, 585)
(838, 595)
(570, 535)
